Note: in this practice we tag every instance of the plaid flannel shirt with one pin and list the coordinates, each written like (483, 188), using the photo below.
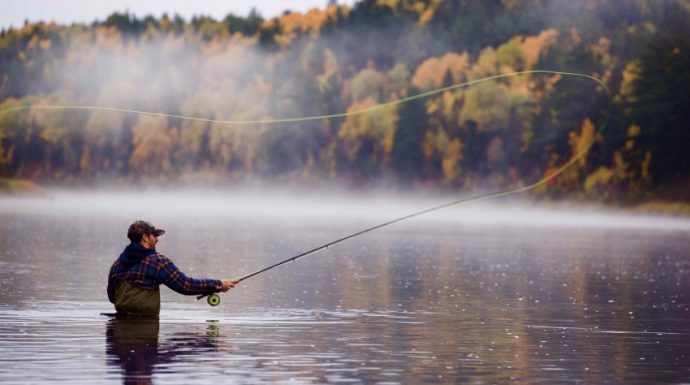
(157, 269)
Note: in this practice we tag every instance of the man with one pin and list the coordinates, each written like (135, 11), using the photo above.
(135, 276)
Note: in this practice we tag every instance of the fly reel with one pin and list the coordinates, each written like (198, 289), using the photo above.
(213, 299)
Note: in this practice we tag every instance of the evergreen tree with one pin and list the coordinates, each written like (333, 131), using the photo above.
(406, 156)
(662, 99)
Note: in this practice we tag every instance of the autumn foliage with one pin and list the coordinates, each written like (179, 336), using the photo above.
(503, 133)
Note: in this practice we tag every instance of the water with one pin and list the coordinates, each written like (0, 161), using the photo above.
(472, 294)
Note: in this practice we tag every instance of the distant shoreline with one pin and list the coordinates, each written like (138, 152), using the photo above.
(20, 187)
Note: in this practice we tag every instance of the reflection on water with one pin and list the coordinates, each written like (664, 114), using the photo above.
(430, 301)
(132, 344)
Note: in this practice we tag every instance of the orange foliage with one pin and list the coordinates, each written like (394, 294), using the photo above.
(580, 143)
(449, 163)
(293, 24)
(432, 72)
(534, 46)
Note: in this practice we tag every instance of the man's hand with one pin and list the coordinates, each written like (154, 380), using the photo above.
(228, 284)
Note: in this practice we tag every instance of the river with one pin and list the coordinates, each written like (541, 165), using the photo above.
(481, 294)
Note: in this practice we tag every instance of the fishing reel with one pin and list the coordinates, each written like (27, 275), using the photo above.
(211, 299)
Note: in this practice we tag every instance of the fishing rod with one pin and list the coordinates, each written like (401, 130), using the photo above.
(214, 299)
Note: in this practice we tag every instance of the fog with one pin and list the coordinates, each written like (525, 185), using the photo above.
(201, 79)
(367, 208)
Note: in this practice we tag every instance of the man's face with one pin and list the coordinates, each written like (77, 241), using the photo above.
(149, 240)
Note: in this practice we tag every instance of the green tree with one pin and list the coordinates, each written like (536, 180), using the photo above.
(407, 159)
(246, 26)
(661, 99)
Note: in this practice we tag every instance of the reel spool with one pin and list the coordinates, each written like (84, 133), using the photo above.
(213, 299)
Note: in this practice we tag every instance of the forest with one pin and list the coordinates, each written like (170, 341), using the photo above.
(512, 131)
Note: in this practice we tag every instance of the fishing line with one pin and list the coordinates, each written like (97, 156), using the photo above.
(214, 299)
(304, 118)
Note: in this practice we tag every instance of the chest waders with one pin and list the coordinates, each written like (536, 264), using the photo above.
(130, 299)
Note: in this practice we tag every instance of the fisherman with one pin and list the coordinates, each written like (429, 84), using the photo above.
(135, 276)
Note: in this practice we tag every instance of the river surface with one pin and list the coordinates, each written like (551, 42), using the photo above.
(472, 294)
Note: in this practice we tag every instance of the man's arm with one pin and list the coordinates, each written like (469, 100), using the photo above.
(172, 277)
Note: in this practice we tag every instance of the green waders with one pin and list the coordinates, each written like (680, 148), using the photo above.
(130, 299)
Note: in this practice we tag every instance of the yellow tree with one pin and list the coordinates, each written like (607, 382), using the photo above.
(442, 147)
(368, 84)
(152, 140)
(368, 137)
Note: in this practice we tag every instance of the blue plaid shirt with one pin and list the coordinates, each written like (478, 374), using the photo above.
(152, 270)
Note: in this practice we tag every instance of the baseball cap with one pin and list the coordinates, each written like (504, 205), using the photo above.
(139, 228)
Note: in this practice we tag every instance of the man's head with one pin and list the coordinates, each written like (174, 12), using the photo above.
(145, 233)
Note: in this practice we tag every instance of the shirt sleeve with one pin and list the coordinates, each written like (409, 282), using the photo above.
(172, 277)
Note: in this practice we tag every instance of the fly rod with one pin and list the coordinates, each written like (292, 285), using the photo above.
(214, 299)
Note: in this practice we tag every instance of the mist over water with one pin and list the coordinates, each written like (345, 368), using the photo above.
(330, 205)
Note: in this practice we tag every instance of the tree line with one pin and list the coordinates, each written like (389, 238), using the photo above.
(507, 132)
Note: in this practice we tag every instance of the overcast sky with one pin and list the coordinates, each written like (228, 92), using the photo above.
(14, 12)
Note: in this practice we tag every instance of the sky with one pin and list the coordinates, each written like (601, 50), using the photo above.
(15, 12)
